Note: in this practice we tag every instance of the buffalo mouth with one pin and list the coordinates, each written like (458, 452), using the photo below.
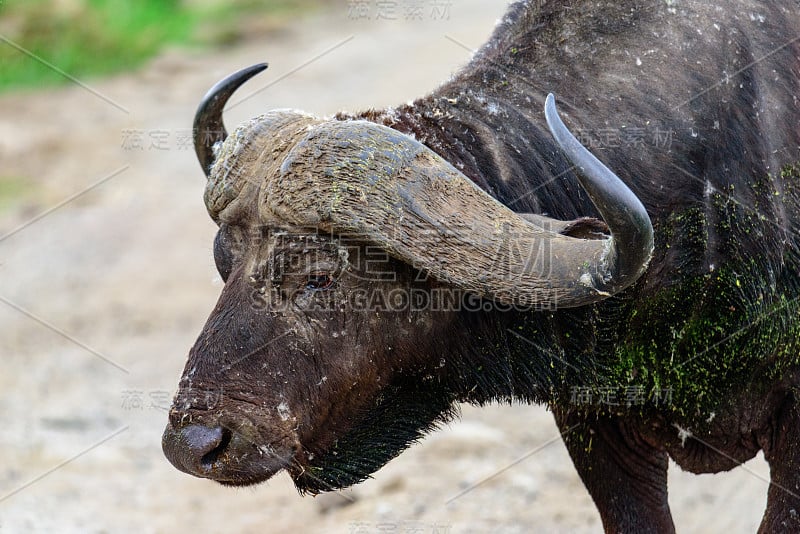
(238, 456)
(229, 457)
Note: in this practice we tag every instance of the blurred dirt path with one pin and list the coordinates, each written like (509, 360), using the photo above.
(101, 298)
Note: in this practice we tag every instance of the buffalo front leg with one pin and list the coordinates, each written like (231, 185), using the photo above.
(782, 452)
(626, 477)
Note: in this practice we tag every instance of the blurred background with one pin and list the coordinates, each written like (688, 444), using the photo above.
(107, 276)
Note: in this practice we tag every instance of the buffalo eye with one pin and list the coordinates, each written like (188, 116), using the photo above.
(319, 281)
(223, 257)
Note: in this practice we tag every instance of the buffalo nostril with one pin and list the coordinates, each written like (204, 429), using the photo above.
(210, 458)
(196, 448)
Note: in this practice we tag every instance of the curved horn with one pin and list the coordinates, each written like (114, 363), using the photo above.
(208, 126)
(623, 212)
(357, 177)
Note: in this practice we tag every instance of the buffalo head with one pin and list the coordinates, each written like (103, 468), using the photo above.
(356, 262)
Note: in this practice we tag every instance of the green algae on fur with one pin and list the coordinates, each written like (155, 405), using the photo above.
(709, 332)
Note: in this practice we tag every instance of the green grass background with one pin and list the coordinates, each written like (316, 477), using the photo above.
(87, 38)
(91, 38)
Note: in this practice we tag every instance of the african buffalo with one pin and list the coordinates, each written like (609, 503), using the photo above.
(381, 267)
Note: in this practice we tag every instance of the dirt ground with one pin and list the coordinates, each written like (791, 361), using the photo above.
(101, 297)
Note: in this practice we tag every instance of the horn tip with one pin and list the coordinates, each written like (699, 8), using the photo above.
(259, 67)
(209, 128)
(551, 114)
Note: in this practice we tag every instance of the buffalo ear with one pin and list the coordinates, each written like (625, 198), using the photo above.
(582, 228)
